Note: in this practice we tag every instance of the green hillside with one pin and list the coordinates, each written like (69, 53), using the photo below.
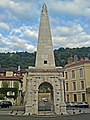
(25, 59)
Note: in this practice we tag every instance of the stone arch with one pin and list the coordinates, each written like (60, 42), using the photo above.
(47, 84)
(45, 97)
(46, 81)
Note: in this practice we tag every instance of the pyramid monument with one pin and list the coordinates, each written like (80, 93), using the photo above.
(45, 56)
(45, 81)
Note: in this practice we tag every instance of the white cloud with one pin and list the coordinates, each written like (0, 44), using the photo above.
(4, 26)
(18, 39)
(28, 31)
(72, 7)
(30, 48)
(20, 9)
(4, 3)
(18, 44)
(69, 19)
(4, 44)
(30, 34)
(70, 36)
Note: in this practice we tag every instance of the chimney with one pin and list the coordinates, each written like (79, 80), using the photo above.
(70, 60)
(19, 68)
(75, 59)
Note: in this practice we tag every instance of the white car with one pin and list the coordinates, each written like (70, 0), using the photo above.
(45, 99)
(82, 104)
(69, 104)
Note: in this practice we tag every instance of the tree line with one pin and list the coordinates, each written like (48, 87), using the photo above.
(25, 59)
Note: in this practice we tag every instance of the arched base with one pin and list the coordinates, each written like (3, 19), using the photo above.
(44, 94)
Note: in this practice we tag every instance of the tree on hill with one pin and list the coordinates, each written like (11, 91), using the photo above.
(25, 59)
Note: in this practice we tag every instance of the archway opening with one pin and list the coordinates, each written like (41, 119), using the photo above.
(45, 97)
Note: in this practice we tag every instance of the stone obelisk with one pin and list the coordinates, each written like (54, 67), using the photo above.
(44, 74)
(45, 55)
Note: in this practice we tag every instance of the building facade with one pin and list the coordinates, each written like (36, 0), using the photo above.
(12, 85)
(77, 81)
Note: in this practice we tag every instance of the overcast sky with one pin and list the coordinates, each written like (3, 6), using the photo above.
(19, 24)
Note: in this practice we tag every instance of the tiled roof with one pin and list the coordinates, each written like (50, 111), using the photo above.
(9, 78)
(84, 61)
(15, 70)
(78, 63)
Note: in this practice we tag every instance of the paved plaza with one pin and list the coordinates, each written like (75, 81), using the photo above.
(73, 114)
(62, 117)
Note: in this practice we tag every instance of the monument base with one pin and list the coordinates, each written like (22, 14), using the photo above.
(28, 110)
(63, 108)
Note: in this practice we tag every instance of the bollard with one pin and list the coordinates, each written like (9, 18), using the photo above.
(73, 111)
(29, 114)
(11, 112)
(79, 111)
(16, 113)
(23, 113)
(61, 113)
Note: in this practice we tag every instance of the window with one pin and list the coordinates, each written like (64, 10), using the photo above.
(67, 98)
(83, 97)
(11, 84)
(81, 72)
(66, 75)
(73, 74)
(45, 62)
(67, 86)
(0, 84)
(74, 85)
(75, 97)
(82, 85)
(10, 93)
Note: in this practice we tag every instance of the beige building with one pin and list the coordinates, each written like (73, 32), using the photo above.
(77, 83)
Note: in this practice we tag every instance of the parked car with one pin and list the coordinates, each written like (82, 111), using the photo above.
(69, 104)
(45, 99)
(82, 105)
(5, 104)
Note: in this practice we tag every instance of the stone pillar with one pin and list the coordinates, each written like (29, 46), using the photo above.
(62, 104)
(35, 103)
(28, 106)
